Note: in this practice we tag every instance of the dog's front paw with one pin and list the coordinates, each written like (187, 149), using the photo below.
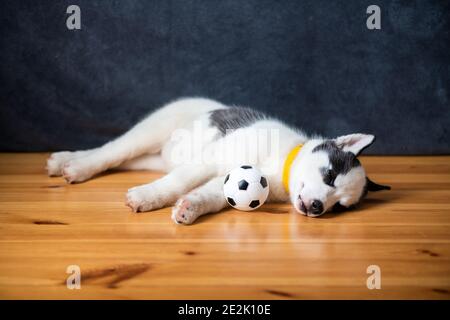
(56, 162)
(142, 198)
(185, 211)
(76, 171)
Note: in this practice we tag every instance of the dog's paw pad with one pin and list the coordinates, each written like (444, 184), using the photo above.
(183, 212)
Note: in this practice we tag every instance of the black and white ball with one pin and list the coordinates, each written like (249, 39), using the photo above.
(245, 188)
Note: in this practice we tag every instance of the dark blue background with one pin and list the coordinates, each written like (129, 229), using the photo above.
(311, 63)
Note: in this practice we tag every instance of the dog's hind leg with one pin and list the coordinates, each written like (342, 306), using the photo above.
(148, 136)
(205, 199)
(145, 162)
(139, 140)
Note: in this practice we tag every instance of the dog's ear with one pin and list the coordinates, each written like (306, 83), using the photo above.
(354, 143)
(373, 187)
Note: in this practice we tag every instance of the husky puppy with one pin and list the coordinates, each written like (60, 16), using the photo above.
(196, 141)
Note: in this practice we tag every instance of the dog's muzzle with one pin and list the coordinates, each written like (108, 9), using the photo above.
(314, 209)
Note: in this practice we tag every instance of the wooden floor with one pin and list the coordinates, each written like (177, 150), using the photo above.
(273, 253)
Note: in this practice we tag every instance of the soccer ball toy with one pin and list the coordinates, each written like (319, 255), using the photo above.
(245, 188)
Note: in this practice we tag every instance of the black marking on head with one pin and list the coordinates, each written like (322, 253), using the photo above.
(226, 178)
(243, 185)
(234, 118)
(254, 204)
(341, 161)
(246, 167)
(263, 182)
(231, 201)
(329, 175)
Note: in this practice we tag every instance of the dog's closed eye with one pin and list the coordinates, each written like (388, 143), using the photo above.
(328, 177)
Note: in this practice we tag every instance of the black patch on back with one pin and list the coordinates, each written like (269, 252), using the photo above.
(234, 118)
(341, 161)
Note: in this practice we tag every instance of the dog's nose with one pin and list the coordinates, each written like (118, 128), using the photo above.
(316, 207)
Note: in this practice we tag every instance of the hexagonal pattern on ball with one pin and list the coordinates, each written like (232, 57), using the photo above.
(245, 188)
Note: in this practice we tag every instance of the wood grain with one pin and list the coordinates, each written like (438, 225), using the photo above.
(273, 253)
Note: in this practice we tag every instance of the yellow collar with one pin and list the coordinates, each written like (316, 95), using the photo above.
(287, 165)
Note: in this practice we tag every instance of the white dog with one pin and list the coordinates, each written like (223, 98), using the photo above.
(190, 139)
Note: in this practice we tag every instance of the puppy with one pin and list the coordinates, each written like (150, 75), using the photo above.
(196, 141)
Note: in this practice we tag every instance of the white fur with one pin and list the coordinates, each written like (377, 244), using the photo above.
(195, 184)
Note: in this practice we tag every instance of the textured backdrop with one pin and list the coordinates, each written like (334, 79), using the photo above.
(312, 63)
